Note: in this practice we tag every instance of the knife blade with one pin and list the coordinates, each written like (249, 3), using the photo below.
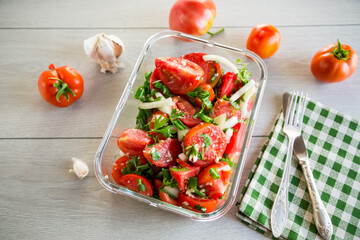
(322, 220)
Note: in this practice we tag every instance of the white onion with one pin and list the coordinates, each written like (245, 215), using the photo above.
(242, 90)
(229, 123)
(228, 134)
(219, 120)
(172, 191)
(181, 134)
(159, 95)
(223, 60)
(157, 104)
(244, 104)
(182, 157)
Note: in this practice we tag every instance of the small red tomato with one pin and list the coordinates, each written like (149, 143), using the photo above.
(60, 86)
(182, 175)
(264, 40)
(165, 197)
(212, 70)
(222, 106)
(137, 183)
(178, 74)
(164, 153)
(208, 140)
(192, 16)
(185, 107)
(133, 141)
(334, 63)
(227, 84)
(197, 204)
(205, 88)
(215, 179)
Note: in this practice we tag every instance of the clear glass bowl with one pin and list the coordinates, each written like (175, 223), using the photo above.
(176, 44)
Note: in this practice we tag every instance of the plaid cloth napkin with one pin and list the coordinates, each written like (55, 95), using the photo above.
(333, 144)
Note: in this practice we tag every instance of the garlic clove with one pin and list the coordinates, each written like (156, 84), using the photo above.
(105, 50)
(79, 168)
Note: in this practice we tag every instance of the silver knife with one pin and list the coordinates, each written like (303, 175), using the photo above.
(321, 217)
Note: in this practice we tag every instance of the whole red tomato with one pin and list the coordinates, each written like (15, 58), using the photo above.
(60, 86)
(334, 63)
(264, 40)
(192, 16)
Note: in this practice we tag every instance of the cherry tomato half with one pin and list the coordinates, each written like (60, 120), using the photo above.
(205, 88)
(198, 136)
(222, 106)
(212, 70)
(133, 141)
(178, 74)
(197, 204)
(185, 107)
(227, 84)
(215, 186)
(264, 40)
(164, 153)
(182, 175)
(133, 181)
(120, 164)
(192, 16)
(334, 63)
(163, 195)
(60, 86)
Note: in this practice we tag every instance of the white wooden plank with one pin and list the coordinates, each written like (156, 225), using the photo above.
(140, 14)
(40, 199)
(24, 54)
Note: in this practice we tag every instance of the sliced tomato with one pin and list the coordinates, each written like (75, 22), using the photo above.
(131, 181)
(154, 77)
(236, 141)
(119, 165)
(179, 75)
(133, 141)
(222, 106)
(215, 187)
(227, 84)
(182, 175)
(185, 107)
(205, 88)
(197, 204)
(163, 195)
(159, 115)
(210, 153)
(212, 70)
(182, 163)
(164, 153)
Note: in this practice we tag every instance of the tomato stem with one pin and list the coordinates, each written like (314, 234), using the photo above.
(340, 53)
(63, 88)
(215, 33)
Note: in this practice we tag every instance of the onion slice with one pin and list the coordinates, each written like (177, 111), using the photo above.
(228, 134)
(229, 123)
(220, 120)
(244, 104)
(157, 104)
(182, 133)
(222, 60)
(242, 90)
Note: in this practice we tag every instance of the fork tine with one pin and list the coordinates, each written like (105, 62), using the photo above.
(303, 110)
(293, 108)
(289, 107)
(298, 110)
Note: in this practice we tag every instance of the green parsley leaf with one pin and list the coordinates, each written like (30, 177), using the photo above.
(207, 139)
(191, 152)
(214, 173)
(192, 183)
(165, 91)
(141, 186)
(243, 74)
(175, 117)
(179, 169)
(194, 93)
(142, 118)
(200, 208)
(226, 159)
(155, 155)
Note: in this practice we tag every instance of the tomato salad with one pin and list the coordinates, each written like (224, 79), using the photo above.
(188, 131)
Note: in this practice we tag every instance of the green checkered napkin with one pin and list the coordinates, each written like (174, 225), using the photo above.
(333, 144)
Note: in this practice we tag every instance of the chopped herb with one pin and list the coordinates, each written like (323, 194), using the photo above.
(167, 179)
(243, 74)
(133, 166)
(191, 152)
(163, 88)
(179, 169)
(186, 206)
(166, 131)
(226, 159)
(214, 173)
(235, 105)
(222, 197)
(142, 118)
(207, 139)
(161, 125)
(155, 138)
(192, 184)
(200, 208)
(141, 186)
(200, 194)
(155, 155)
(194, 93)
(206, 118)
(143, 92)
(214, 77)
(175, 119)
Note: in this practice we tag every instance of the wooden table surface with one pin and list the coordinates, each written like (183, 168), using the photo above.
(40, 199)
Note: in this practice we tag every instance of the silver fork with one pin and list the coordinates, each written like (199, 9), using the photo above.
(292, 122)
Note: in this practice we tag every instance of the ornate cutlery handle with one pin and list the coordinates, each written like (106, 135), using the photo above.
(279, 212)
(322, 219)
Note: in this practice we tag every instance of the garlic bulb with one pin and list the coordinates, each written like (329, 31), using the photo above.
(79, 168)
(105, 50)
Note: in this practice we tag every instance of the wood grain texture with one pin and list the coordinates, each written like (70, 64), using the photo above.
(40, 199)
(23, 113)
(149, 14)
